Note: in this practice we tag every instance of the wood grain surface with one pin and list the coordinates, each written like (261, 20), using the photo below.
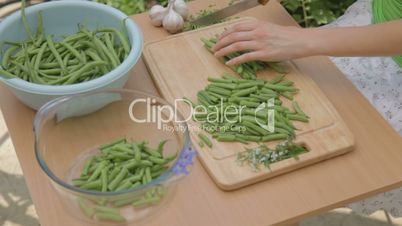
(180, 66)
(373, 167)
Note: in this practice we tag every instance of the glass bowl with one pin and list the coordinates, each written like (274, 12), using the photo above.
(69, 130)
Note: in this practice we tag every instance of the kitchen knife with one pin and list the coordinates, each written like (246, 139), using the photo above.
(227, 12)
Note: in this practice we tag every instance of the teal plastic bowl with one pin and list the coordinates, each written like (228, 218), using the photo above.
(61, 18)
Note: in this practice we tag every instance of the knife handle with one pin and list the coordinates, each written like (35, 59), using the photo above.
(263, 2)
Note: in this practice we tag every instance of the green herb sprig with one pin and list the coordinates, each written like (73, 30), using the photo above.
(263, 155)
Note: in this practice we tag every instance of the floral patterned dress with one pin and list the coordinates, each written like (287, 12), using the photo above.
(380, 81)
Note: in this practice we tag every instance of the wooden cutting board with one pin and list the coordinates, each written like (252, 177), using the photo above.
(180, 66)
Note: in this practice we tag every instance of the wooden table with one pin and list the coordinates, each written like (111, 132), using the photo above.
(375, 165)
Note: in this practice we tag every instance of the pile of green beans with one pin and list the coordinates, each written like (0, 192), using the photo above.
(247, 96)
(263, 155)
(122, 165)
(246, 70)
(77, 58)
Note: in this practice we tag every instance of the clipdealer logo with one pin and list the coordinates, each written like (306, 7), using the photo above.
(167, 117)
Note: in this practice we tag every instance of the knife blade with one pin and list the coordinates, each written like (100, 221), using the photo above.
(227, 12)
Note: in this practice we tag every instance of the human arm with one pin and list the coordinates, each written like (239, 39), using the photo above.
(271, 42)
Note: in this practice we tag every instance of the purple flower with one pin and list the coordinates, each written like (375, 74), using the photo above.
(186, 159)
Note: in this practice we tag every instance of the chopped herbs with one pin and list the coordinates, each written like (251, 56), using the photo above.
(262, 155)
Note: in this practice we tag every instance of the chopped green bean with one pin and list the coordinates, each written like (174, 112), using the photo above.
(109, 217)
(205, 139)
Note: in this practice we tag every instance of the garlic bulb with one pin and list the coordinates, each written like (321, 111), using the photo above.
(173, 22)
(157, 13)
(181, 8)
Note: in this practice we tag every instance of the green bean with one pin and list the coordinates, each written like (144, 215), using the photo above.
(227, 76)
(285, 127)
(109, 217)
(133, 178)
(220, 97)
(50, 59)
(274, 137)
(280, 88)
(74, 37)
(115, 182)
(124, 186)
(277, 79)
(87, 210)
(39, 56)
(286, 83)
(104, 179)
(126, 201)
(73, 51)
(121, 36)
(287, 95)
(245, 92)
(96, 57)
(220, 91)
(24, 20)
(78, 182)
(297, 117)
(93, 185)
(284, 131)
(31, 71)
(97, 171)
(255, 127)
(106, 209)
(147, 201)
(157, 160)
(226, 137)
(55, 53)
(249, 104)
(249, 137)
(111, 49)
(117, 156)
(144, 180)
(278, 68)
(137, 152)
(239, 69)
(157, 173)
(7, 74)
(205, 139)
(131, 164)
(204, 96)
(114, 172)
(6, 56)
(298, 109)
(87, 165)
(207, 95)
(140, 172)
(102, 48)
(153, 152)
(148, 174)
(229, 86)
(71, 78)
(39, 30)
(219, 80)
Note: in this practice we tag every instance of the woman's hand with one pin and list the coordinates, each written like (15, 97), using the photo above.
(270, 42)
(263, 41)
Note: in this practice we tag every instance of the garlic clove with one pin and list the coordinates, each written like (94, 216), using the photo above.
(181, 8)
(173, 22)
(156, 14)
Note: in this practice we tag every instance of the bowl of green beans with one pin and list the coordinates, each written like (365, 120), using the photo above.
(66, 47)
(120, 162)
